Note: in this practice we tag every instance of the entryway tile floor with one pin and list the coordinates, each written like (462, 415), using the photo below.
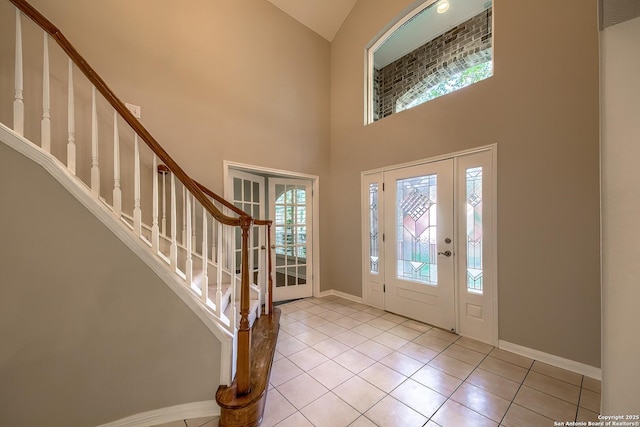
(341, 363)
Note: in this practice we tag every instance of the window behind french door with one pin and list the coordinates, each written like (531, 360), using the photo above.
(428, 243)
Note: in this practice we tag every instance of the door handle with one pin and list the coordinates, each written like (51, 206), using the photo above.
(273, 246)
(445, 253)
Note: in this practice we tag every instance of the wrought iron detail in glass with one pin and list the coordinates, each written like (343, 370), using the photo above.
(374, 256)
(417, 229)
(474, 229)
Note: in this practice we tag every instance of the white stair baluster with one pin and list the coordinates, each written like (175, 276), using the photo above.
(204, 286)
(219, 266)
(154, 221)
(193, 221)
(117, 192)
(71, 124)
(173, 250)
(184, 216)
(189, 263)
(164, 203)
(265, 271)
(137, 211)
(18, 104)
(45, 125)
(234, 281)
(95, 168)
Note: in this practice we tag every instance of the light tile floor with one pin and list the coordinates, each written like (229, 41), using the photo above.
(341, 363)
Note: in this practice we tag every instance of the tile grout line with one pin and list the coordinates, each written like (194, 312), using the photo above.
(516, 395)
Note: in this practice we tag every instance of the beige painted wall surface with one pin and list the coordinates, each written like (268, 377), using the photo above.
(89, 333)
(620, 212)
(234, 80)
(541, 108)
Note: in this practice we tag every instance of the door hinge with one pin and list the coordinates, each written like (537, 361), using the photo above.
(383, 186)
(383, 237)
(384, 288)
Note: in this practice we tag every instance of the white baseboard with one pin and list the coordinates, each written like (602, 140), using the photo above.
(552, 359)
(186, 411)
(341, 295)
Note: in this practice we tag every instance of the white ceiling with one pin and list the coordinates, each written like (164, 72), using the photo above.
(325, 17)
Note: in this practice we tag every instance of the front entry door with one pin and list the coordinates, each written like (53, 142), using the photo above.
(429, 243)
(290, 205)
(419, 243)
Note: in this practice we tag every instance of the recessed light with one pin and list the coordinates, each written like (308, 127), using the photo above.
(442, 7)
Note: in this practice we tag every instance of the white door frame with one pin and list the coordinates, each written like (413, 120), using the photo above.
(493, 148)
(315, 186)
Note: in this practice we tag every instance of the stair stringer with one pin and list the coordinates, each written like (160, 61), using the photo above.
(83, 194)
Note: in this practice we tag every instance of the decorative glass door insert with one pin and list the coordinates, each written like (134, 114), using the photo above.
(417, 229)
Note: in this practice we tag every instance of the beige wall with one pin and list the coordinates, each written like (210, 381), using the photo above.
(89, 333)
(620, 212)
(541, 108)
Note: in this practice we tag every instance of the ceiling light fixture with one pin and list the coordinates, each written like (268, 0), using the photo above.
(442, 7)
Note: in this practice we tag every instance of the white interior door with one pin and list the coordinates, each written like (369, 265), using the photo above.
(419, 226)
(290, 205)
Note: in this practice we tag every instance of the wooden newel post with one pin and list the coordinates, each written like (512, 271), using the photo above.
(243, 376)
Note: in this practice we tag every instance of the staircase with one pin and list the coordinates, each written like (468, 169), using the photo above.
(181, 229)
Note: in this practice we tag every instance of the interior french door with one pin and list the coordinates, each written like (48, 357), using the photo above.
(290, 206)
(428, 243)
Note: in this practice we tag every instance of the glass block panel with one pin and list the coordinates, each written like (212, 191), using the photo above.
(417, 229)
(474, 230)
(373, 229)
(247, 191)
(256, 192)
(280, 277)
(279, 215)
(288, 195)
(237, 188)
(301, 215)
(291, 276)
(289, 214)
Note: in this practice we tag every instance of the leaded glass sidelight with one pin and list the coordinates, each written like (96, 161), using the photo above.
(474, 229)
(417, 229)
(373, 229)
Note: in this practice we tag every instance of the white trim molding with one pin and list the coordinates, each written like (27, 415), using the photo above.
(208, 408)
(552, 359)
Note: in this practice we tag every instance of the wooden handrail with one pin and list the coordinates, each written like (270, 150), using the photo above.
(124, 112)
